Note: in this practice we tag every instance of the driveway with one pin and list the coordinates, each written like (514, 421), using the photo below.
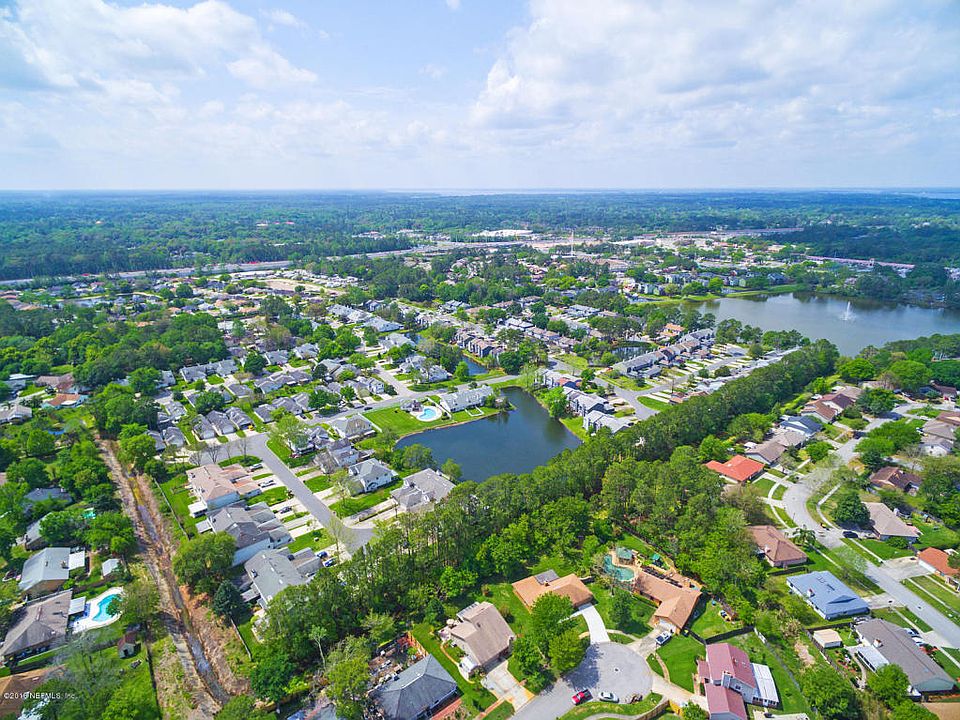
(502, 684)
(598, 631)
(608, 666)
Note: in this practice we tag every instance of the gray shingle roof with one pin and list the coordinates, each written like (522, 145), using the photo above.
(420, 688)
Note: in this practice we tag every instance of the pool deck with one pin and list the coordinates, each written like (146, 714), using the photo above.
(86, 621)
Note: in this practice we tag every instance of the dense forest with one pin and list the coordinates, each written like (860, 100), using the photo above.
(71, 233)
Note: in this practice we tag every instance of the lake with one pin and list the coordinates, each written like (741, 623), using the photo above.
(512, 442)
(850, 324)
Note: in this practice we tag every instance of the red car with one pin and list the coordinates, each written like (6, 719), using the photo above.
(581, 697)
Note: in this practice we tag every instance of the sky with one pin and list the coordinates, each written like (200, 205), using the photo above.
(435, 94)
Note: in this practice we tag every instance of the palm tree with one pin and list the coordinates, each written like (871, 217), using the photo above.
(804, 537)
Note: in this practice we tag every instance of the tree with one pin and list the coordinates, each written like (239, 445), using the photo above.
(454, 581)
(140, 601)
(417, 457)
(890, 684)
(242, 707)
(818, 450)
(203, 562)
(549, 617)
(131, 701)
(526, 656)
(712, 448)
(877, 401)
(184, 291)
(829, 693)
(254, 363)
(857, 369)
(555, 401)
(909, 375)
(380, 627)
(208, 400)
(113, 532)
(137, 450)
(912, 711)
(462, 371)
(227, 601)
(850, 509)
(30, 471)
(692, 711)
(567, 650)
(39, 443)
(621, 609)
(452, 470)
(144, 380)
(272, 674)
(805, 537)
(348, 674)
(63, 527)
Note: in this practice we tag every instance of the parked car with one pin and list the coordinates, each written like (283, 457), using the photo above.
(608, 697)
(581, 697)
(329, 562)
(850, 534)
(322, 554)
(663, 639)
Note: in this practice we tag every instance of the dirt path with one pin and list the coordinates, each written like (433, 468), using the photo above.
(198, 679)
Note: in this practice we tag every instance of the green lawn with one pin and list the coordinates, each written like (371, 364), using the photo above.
(709, 623)
(653, 403)
(318, 483)
(316, 539)
(581, 712)
(947, 598)
(475, 696)
(180, 498)
(283, 452)
(272, 496)
(763, 485)
(938, 536)
(902, 616)
(680, 655)
(778, 492)
(359, 503)
(885, 549)
(245, 460)
(501, 712)
(641, 611)
(948, 662)
(403, 423)
(575, 425)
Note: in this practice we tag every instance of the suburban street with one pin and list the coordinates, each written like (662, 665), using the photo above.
(945, 631)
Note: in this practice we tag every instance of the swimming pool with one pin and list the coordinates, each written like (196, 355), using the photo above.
(428, 414)
(103, 611)
(618, 572)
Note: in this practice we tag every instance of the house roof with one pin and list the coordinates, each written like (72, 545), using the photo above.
(938, 560)
(738, 468)
(887, 522)
(482, 629)
(898, 648)
(249, 525)
(809, 425)
(726, 659)
(419, 688)
(770, 450)
(775, 545)
(272, 571)
(894, 477)
(52, 563)
(826, 593)
(212, 481)
(38, 624)
(676, 594)
(13, 689)
(724, 700)
(570, 586)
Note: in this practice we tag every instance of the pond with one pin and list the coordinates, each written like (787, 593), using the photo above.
(512, 442)
(849, 324)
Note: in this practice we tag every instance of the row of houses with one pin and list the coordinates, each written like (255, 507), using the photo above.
(691, 346)
(216, 423)
(939, 434)
(192, 373)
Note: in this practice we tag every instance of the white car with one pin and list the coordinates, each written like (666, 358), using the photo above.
(608, 697)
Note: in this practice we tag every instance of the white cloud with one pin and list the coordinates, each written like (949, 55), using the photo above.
(453, 4)
(617, 74)
(278, 16)
(265, 68)
(432, 71)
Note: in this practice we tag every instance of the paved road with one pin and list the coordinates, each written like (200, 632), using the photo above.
(608, 666)
(795, 504)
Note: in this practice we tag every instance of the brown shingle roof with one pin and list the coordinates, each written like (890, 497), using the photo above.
(775, 545)
(531, 588)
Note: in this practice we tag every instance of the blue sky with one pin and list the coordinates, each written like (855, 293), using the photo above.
(479, 93)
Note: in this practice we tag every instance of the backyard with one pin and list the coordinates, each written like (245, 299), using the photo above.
(358, 503)
(680, 655)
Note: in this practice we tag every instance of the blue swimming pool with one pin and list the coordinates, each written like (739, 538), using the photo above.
(428, 414)
(103, 604)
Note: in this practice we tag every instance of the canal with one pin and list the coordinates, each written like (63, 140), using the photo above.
(850, 324)
(511, 442)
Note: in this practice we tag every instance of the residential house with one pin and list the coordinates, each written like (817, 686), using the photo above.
(775, 547)
(238, 390)
(829, 597)
(417, 692)
(595, 419)
(483, 635)
(677, 596)
(769, 451)
(583, 403)
(355, 427)
(803, 424)
(239, 418)
(220, 422)
(570, 586)
(395, 340)
(730, 681)
(15, 414)
(371, 475)
(739, 469)
(174, 436)
(39, 495)
(336, 455)
(37, 627)
(821, 411)
(937, 561)
(32, 539)
(216, 487)
(203, 429)
(464, 399)
(887, 523)
(45, 572)
(895, 478)
(270, 571)
(421, 490)
(254, 528)
(883, 643)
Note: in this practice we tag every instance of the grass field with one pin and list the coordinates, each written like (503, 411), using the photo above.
(938, 536)
(359, 503)
(501, 712)
(318, 483)
(640, 611)
(581, 712)
(709, 623)
(180, 498)
(403, 423)
(680, 655)
(946, 598)
(902, 616)
(317, 540)
(653, 403)
(272, 496)
(778, 492)
(764, 485)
